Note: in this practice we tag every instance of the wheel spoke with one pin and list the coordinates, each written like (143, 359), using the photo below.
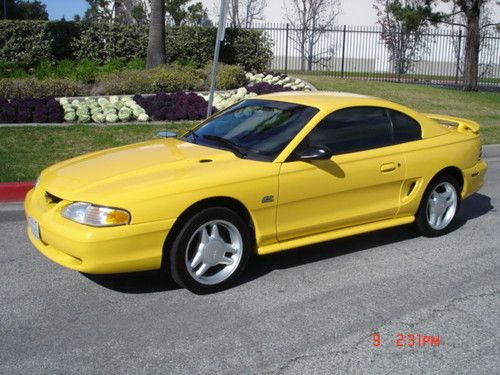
(226, 261)
(232, 249)
(203, 268)
(446, 194)
(204, 236)
(215, 233)
(449, 204)
(439, 220)
(197, 258)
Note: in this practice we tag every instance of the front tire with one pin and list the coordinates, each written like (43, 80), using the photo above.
(439, 207)
(210, 251)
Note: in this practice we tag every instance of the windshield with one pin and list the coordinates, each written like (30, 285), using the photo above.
(254, 129)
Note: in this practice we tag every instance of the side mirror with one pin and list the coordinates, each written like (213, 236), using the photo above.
(315, 153)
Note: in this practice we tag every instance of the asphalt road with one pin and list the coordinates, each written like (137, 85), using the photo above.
(314, 310)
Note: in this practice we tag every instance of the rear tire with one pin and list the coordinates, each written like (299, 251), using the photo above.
(439, 207)
(210, 251)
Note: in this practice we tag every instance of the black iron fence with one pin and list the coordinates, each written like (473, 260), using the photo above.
(433, 58)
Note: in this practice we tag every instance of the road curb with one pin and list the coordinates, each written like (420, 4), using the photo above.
(14, 191)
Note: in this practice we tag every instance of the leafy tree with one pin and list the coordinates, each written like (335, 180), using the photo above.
(123, 11)
(309, 20)
(100, 11)
(182, 14)
(156, 41)
(471, 11)
(23, 10)
(403, 26)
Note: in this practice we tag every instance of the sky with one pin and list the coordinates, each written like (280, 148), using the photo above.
(354, 12)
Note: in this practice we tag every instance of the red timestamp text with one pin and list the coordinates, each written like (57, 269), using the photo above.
(409, 340)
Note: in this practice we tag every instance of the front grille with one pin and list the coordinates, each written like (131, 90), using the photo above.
(52, 199)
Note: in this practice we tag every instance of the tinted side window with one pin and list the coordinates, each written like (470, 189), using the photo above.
(405, 128)
(353, 129)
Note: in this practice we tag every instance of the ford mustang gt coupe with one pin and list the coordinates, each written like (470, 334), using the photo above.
(268, 174)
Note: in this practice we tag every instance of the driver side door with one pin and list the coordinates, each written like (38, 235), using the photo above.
(361, 183)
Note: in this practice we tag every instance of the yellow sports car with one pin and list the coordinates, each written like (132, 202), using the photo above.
(271, 173)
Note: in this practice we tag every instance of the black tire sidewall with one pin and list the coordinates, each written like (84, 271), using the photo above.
(422, 225)
(177, 253)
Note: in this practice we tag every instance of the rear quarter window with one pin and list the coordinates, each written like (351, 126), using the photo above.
(406, 129)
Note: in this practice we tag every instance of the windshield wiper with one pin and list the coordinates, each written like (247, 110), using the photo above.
(229, 144)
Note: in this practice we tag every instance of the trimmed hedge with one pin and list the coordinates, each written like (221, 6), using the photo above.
(30, 42)
(25, 42)
(13, 87)
(165, 78)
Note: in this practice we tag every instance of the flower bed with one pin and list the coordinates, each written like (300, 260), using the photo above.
(159, 107)
(174, 107)
(29, 110)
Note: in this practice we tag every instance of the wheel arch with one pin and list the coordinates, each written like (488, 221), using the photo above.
(220, 201)
(451, 171)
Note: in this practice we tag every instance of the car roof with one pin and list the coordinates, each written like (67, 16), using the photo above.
(328, 100)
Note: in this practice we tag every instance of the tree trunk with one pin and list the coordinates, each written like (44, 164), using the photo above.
(156, 41)
(472, 45)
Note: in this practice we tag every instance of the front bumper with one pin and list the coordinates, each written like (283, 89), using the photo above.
(126, 248)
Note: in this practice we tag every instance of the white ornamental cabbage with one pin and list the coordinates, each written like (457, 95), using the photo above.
(99, 118)
(70, 116)
(143, 117)
(102, 110)
(111, 117)
(124, 114)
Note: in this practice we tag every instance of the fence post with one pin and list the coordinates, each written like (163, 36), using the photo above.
(286, 47)
(343, 53)
(459, 53)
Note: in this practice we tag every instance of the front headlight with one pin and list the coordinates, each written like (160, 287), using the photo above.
(86, 213)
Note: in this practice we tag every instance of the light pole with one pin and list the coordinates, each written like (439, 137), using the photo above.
(220, 36)
(4, 9)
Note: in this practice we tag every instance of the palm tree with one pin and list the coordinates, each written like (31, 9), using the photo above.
(156, 41)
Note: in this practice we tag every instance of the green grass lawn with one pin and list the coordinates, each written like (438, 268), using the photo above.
(483, 107)
(25, 151)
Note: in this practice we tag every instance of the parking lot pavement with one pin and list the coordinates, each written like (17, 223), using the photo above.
(319, 309)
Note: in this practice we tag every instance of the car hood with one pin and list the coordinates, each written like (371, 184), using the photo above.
(101, 177)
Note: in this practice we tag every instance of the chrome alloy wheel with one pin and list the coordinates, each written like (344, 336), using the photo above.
(441, 206)
(214, 252)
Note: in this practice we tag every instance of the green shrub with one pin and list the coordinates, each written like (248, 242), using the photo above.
(101, 42)
(26, 43)
(44, 70)
(112, 65)
(14, 87)
(29, 42)
(86, 71)
(124, 82)
(11, 70)
(65, 69)
(168, 78)
(172, 78)
(229, 76)
(136, 63)
(251, 49)
(64, 34)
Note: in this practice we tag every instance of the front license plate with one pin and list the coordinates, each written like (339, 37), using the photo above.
(35, 228)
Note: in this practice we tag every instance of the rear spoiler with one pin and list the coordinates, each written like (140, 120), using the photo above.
(461, 124)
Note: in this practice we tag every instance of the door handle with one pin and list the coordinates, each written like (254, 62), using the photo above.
(388, 167)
